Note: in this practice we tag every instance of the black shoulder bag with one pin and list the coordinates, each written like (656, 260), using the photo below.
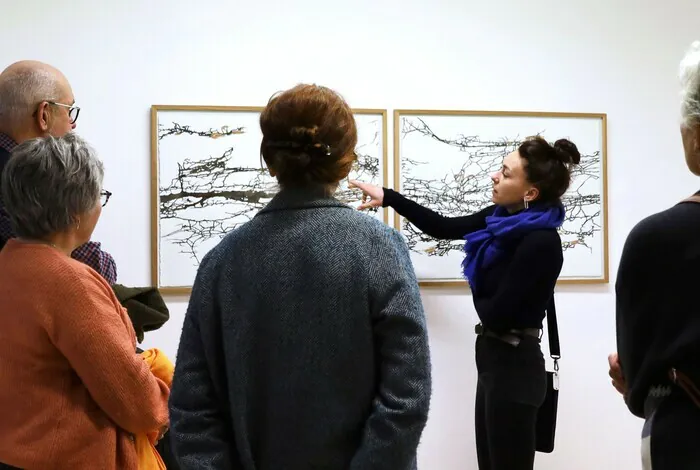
(547, 415)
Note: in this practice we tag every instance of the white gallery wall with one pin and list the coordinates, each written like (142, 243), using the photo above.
(612, 56)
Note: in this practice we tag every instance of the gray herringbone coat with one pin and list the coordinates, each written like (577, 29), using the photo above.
(304, 346)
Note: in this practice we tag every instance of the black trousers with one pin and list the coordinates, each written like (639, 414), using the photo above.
(512, 385)
(671, 434)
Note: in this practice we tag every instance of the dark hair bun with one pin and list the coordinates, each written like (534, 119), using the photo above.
(567, 152)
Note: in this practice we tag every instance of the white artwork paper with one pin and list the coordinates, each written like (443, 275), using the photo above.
(445, 162)
(211, 180)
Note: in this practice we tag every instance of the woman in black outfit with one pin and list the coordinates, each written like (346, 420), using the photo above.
(657, 365)
(513, 259)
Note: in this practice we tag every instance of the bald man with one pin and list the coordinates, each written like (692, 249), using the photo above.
(36, 100)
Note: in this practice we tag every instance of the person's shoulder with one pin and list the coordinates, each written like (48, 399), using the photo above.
(544, 238)
(75, 283)
(85, 275)
(367, 227)
(666, 227)
(61, 267)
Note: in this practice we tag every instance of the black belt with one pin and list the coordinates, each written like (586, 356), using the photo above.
(512, 336)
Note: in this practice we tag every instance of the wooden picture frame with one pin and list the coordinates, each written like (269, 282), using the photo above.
(207, 197)
(442, 159)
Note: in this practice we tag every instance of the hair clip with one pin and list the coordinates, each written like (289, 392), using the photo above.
(297, 145)
(327, 147)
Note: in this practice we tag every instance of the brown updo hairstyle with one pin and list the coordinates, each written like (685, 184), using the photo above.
(548, 167)
(309, 137)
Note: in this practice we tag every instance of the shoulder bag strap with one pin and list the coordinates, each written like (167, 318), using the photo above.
(553, 332)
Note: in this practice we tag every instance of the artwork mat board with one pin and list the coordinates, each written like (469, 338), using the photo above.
(398, 114)
(155, 176)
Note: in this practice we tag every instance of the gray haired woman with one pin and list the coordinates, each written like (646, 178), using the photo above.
(657, 367)
(73, 391)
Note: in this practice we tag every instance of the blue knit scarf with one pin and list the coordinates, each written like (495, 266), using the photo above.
(486, 245)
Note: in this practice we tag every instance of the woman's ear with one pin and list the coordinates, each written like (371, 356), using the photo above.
(531, 194)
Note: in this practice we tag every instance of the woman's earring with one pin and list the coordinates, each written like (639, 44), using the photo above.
(526, 203)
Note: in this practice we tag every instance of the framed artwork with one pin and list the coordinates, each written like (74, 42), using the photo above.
(443, 160)
(207, 178)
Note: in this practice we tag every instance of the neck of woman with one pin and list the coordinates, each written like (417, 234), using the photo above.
(60, 242)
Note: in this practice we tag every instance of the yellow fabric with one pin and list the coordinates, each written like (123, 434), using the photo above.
(163, 368)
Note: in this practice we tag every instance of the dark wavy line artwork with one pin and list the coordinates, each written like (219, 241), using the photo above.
(446, 161)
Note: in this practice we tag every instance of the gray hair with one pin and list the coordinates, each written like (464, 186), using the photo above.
(23, 89)
(50, 181)
(690, 85)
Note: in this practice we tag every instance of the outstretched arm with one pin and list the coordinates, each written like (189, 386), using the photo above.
(427, 221)
(432, 223)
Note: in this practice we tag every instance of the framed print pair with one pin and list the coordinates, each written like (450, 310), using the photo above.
(208, 178)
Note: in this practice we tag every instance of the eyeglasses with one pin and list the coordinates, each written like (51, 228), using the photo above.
(73, 111)
(104, 197)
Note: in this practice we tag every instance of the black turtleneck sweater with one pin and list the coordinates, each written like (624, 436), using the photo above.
(657, 304)
(515, 289)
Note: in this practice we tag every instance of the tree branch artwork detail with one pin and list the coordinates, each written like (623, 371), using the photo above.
(212, 179)
(445, 164)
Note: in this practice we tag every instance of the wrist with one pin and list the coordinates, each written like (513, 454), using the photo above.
(388, 196)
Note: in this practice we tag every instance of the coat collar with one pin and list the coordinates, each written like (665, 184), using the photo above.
(291, 199)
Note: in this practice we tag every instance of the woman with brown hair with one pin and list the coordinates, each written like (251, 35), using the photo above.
(304, 344)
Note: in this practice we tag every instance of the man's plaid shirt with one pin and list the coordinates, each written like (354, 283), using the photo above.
(90, 253)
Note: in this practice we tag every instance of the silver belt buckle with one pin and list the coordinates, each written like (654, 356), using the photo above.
(513, 340)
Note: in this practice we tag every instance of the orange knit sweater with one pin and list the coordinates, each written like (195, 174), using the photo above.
(73, 391)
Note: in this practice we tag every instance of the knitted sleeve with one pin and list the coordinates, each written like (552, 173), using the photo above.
(93, 332)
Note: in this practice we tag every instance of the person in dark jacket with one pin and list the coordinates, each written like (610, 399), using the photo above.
(657, 364)
(304, 344)
(513, 259)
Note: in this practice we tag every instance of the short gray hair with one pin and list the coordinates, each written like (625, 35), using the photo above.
(690, 85)
(24, 89)
(48, 182)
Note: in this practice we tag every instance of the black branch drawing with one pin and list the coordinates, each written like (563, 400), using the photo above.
(177, 129)
(212, 195)
(467, 189)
